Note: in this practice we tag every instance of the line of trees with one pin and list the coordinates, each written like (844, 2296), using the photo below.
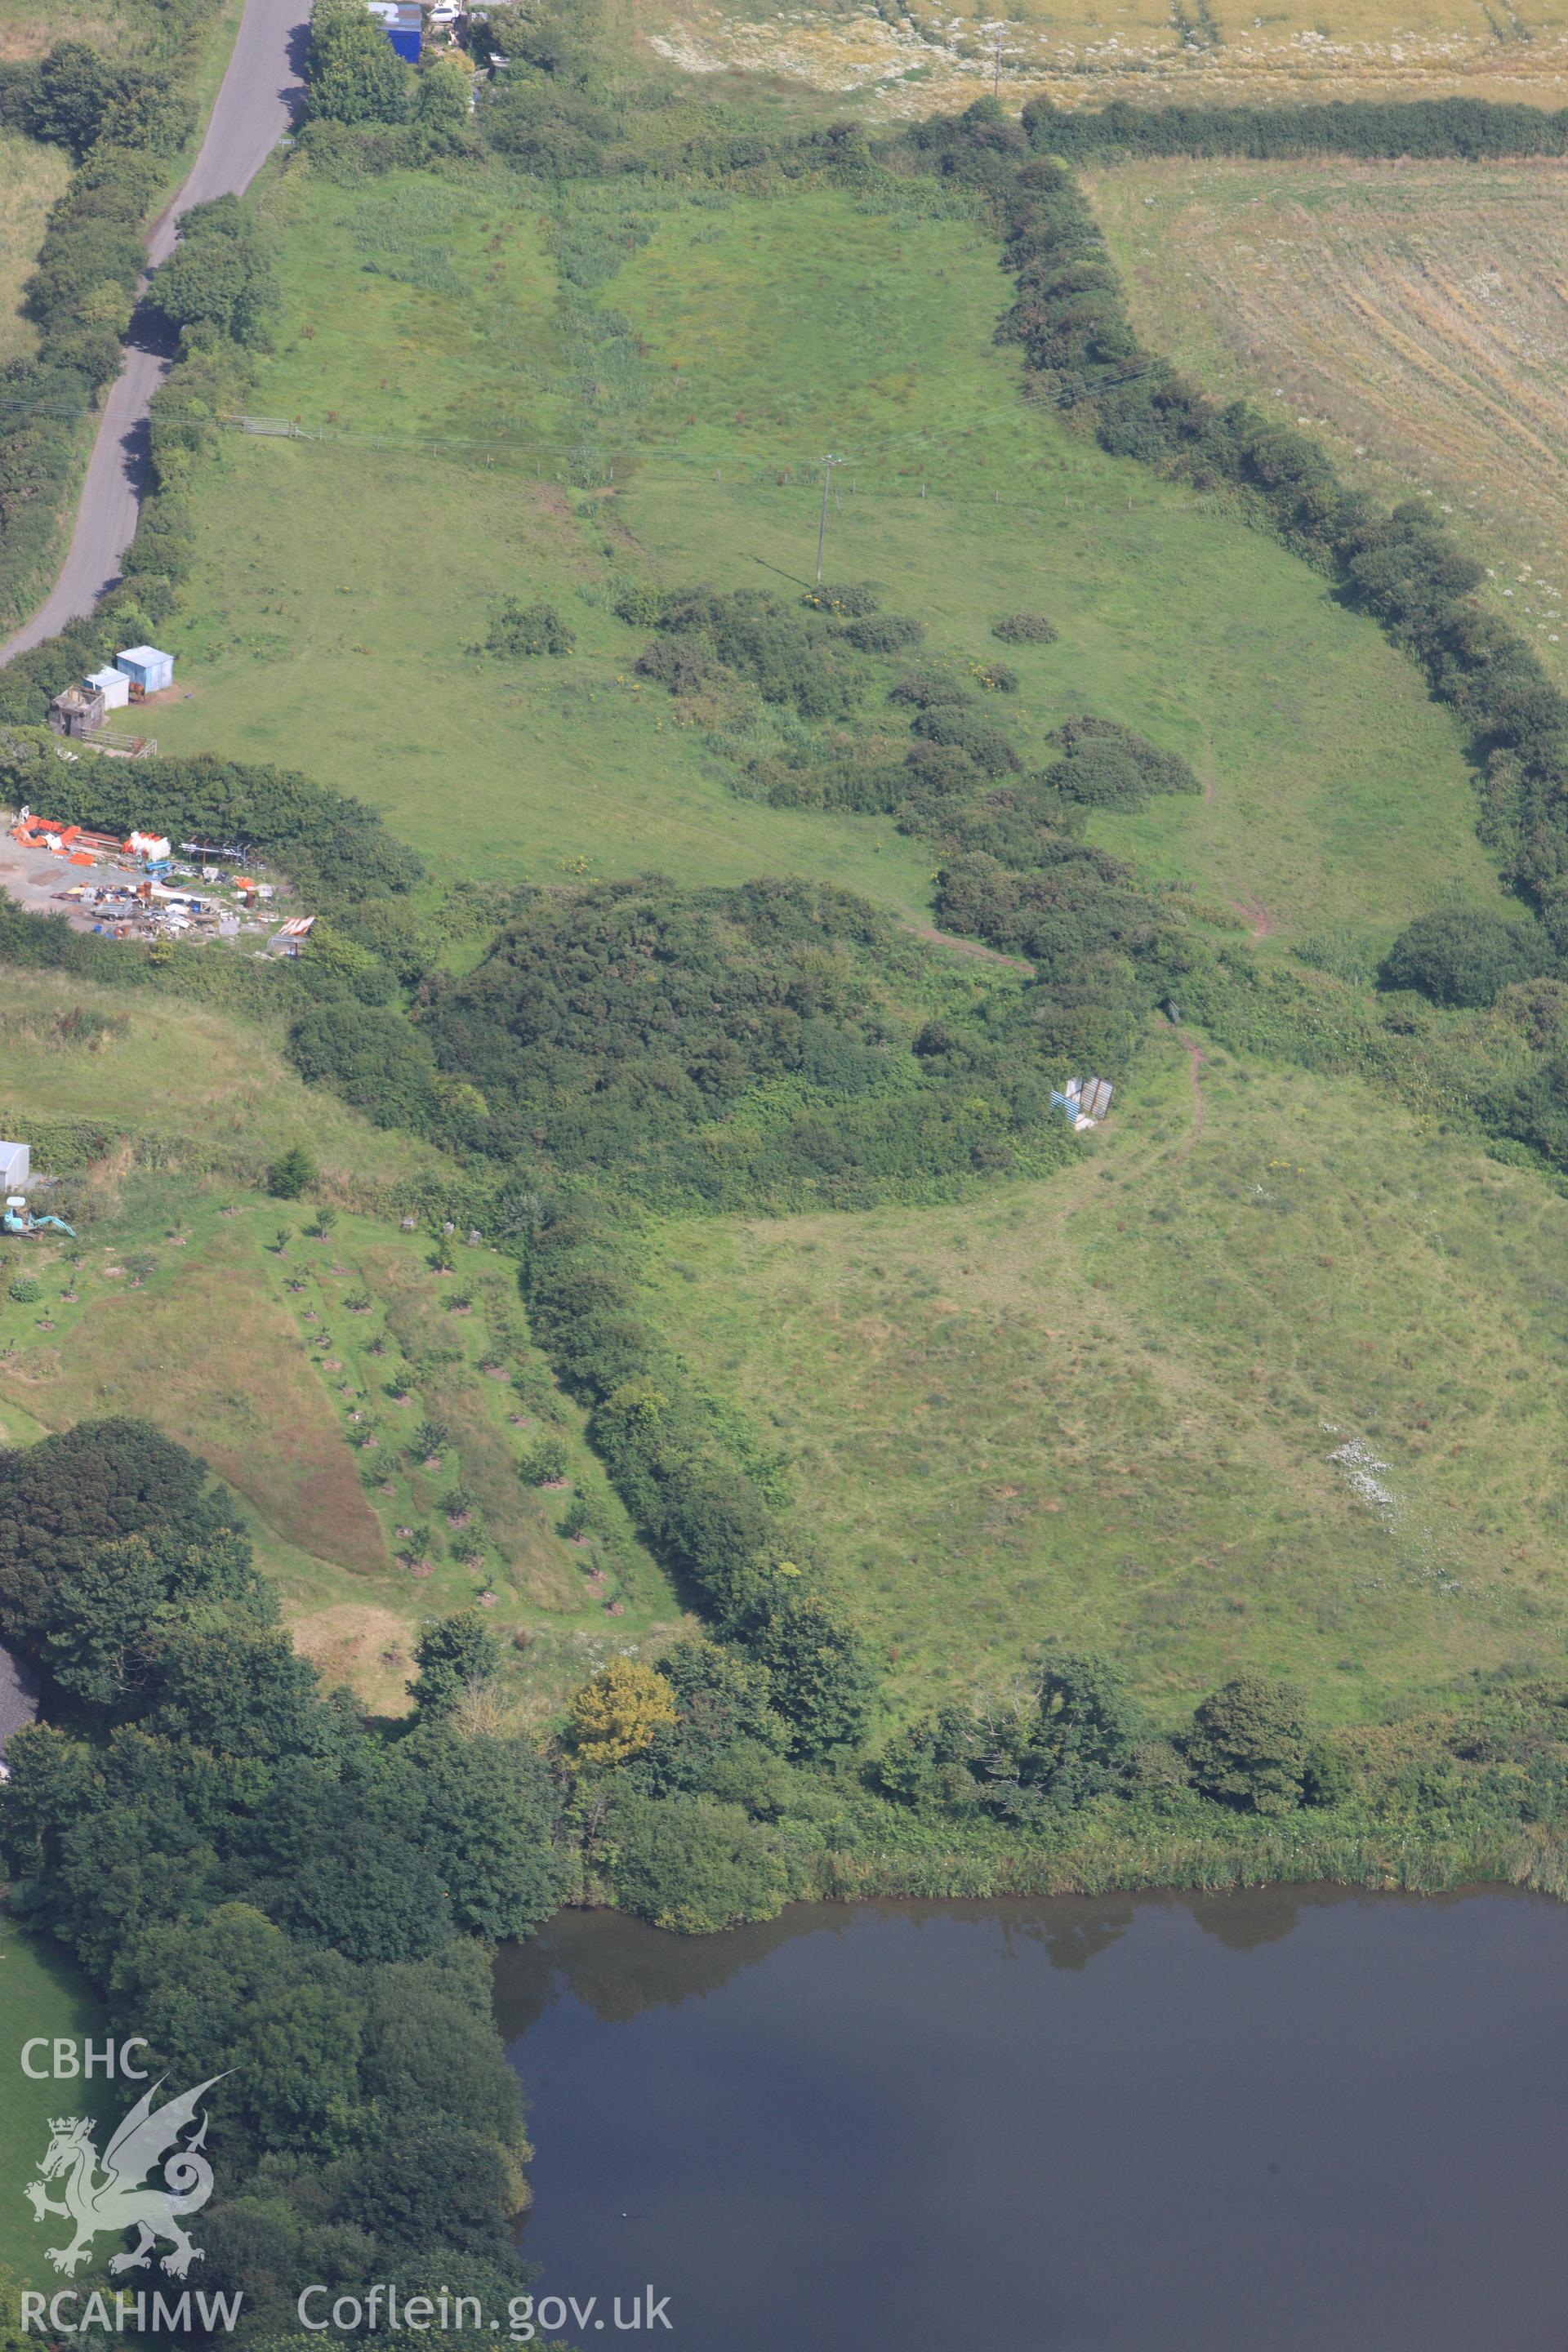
(1401, 567)
(706, 1514)
(1470, 130)
(119, 122)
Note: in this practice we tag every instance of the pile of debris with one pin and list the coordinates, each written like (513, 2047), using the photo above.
(140, 889)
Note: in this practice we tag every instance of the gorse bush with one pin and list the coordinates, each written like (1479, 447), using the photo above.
(885, 633)
(1025, 629)
(528, 629)
(1463, 955)
(788, 655)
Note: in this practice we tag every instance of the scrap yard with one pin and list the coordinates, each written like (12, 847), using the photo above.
(140, 889)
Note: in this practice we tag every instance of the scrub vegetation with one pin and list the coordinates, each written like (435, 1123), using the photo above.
(852, 1477)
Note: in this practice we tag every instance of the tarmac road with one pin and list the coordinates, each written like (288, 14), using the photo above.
(251, 113)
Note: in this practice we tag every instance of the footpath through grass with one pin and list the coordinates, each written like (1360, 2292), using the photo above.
(339, 586)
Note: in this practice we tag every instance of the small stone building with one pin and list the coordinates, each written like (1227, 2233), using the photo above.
(77, 711)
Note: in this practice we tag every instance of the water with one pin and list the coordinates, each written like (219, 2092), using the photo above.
(1297, 2120)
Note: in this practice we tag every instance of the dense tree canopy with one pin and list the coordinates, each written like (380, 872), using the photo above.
(352, 74)
(1248, 1746)
(218, 276)
(274, 1890)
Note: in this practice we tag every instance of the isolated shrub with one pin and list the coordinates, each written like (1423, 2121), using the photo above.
(291, 1174)
(25, 1290)
(1248, 1746)
(1108, 765)
(885, 633)
(927, 684)
(855, 600)
(997, 677)
(675, 663)
(966, 730)
(640, 603)
(1025, 629)
(544, 1465)
(1099, 776)
(528, 630)
(1465, 955)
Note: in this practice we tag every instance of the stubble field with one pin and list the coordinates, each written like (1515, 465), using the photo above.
(1415, 315)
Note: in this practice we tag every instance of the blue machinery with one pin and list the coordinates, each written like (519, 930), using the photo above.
(19, 1219)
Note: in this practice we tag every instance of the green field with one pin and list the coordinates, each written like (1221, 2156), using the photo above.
(339, 586)
(31, 177)
(1100, 1406)
(1103, 1408)
(182, 1303)
(41, 1991)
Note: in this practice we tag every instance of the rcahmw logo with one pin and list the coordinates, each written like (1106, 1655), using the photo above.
(113, 2193)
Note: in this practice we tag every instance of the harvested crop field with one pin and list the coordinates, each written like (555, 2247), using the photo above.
(1415, 315)
(918, 59)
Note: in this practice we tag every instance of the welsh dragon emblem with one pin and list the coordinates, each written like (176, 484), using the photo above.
(121, 2199)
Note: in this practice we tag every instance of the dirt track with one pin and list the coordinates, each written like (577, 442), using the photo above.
(251, 113)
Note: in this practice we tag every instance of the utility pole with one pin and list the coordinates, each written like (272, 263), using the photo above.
(827, 466)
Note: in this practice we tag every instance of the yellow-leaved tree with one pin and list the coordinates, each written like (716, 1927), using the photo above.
(616, 1715)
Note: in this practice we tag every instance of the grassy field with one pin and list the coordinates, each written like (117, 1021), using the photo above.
(31, 177)
(339, 586)
(27, 31)
(1017, 1417)
(274, 1363)
(1414, 315)
(920, 58)
(40, 1992)
(1106, 1409)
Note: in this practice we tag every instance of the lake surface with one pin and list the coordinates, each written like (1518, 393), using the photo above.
(1297, 2120)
